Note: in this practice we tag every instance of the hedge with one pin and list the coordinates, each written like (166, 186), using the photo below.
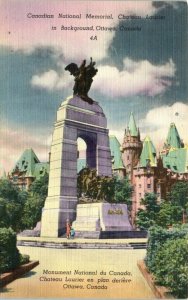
(167, 258)
(157, 236)
(172, 267)
(10, 258)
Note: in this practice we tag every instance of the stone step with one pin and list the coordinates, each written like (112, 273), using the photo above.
(138, 245)
(77, 245)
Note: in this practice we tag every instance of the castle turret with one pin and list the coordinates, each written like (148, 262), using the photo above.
(131, 147)
(117, 163)
(173, 140)
(175, 158)
(148, 155)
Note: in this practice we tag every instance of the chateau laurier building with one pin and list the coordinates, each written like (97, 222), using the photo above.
(136, 159)
(149, 172)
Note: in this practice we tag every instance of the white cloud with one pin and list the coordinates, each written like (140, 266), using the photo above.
(136, 78)
(157, 121)
(47, 80)
(51, 80)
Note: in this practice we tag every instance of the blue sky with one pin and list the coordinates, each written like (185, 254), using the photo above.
(140, 71)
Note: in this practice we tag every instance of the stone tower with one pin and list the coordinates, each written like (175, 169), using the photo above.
(131, 147)
(75, 119)
(144, 176)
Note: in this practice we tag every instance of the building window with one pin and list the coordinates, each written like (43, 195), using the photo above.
(140, 195)
(149, 186)
(140, 185)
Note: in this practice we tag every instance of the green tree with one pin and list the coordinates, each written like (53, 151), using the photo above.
(169, 214)
(35, 202)
(32, 211)
(4, 221)
(147, 217)
(179, 194)
(9, 191)
(123, 191)
(12, 200)
(40, 186)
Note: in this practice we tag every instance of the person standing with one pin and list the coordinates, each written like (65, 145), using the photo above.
(68, 229)
(72, 232)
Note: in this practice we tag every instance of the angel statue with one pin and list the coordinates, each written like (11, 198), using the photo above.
(83, 78)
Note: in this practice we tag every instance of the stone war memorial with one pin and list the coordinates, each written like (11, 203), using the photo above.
(79, 117)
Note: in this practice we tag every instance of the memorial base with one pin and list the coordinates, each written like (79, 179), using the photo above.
(101, 217)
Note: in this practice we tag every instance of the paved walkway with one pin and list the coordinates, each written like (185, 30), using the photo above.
(113, 272)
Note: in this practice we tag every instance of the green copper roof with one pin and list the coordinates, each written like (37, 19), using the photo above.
(148, 155)
(132, 125)
(176, 160)
(173, 138)
(81, 163)
(26, 162)
(41, 169)
(30, 165)
(116, 153)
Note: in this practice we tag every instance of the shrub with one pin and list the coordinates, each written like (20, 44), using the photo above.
(166, 258)
(10, 258)
(9, 254)
(172, 267)
(157, 237)
(24, 259)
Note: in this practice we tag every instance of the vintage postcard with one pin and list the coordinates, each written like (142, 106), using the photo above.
(94, 149)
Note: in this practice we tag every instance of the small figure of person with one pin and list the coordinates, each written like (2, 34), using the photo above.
(72, 232)
(68, 229)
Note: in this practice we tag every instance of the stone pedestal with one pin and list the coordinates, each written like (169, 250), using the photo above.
(75, 118)
(101, 217)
